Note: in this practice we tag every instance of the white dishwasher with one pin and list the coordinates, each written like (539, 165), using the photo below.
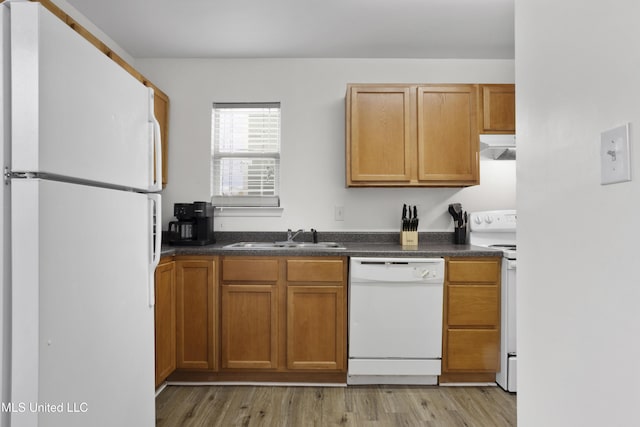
(395, 320)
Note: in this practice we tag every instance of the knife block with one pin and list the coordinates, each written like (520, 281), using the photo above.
(409, 238)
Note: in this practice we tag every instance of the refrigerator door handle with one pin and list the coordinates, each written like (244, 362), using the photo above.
(155, 233)
(157, 139)
(155, 172)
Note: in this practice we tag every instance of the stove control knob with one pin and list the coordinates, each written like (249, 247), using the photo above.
(488, 219)
(478, 220)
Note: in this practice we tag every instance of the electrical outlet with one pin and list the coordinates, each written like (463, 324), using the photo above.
(338, 213)
(614, 155)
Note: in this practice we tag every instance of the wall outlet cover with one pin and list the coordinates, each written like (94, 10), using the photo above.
(614, 155)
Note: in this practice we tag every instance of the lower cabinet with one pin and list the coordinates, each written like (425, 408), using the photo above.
(283, 315)
(195, 308)
(315, 327)
(249, 313)
(316, 314)
(165, 319)
(241, 318)
(285, 319)
(471, 335)
(249, 326)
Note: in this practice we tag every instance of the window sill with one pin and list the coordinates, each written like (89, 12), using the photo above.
(239, 211)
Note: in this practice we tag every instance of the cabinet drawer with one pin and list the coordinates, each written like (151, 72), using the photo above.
(473, 271)
(477, 305)
(307, 270)
(250, 269)
(474, 350)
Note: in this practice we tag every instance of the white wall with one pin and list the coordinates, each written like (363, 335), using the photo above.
(577, 75)
(312, 93)
(93, 29)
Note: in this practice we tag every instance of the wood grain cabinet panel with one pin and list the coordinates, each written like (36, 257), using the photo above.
(473, 350)
(498, 108)
(471, 327)
(195, 313)
(412, 135)
(250, 269)
(165, 320)
(448, 144)
(316, 327)
(283, 315)
(379, 129)
(473, 305)
(249, 327)
(473, 271)
(314, 270)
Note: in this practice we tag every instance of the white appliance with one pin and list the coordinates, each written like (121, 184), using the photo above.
(81, 230)
(395, 320)
(497, 229)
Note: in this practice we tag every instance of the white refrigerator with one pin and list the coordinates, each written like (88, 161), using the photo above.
(80, 230)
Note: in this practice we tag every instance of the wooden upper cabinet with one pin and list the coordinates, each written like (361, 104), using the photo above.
(498, 103)
(447, 135)
(412, 135)
(379, 130)
(161, 110)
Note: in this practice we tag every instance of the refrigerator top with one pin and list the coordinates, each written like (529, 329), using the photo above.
(77, 115)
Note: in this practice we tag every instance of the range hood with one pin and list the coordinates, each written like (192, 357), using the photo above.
(498, 147)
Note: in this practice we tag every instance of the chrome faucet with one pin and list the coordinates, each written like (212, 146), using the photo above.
(291, 235)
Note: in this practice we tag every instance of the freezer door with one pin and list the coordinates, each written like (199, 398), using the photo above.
(76, 113)
(82, 325)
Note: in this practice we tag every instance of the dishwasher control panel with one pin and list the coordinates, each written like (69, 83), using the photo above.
(397, 270)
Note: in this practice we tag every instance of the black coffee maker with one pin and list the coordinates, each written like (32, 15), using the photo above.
(194, 226)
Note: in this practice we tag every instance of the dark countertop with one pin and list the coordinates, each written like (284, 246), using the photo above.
(370, 244)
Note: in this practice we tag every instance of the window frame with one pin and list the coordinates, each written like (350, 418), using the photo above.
(216, 155)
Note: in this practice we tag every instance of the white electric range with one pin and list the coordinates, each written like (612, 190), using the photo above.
(497, 229)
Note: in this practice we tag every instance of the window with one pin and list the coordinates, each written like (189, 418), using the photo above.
(245, 154)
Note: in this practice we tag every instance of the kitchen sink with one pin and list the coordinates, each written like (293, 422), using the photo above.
(284, 245)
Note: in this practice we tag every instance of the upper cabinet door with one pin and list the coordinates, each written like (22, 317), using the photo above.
(448, 135)
(379, 140)
(498, 109)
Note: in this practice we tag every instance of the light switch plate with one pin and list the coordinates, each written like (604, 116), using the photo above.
(614, 155)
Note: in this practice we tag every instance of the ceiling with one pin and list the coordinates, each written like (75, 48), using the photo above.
(306, 28)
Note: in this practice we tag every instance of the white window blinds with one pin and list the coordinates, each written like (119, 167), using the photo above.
(245, 154)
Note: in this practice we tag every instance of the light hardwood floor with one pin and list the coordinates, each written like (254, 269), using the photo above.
(361, 406)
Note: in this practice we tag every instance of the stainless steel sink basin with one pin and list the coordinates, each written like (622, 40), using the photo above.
(284, 245)
(320, 245)
(251, 245)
